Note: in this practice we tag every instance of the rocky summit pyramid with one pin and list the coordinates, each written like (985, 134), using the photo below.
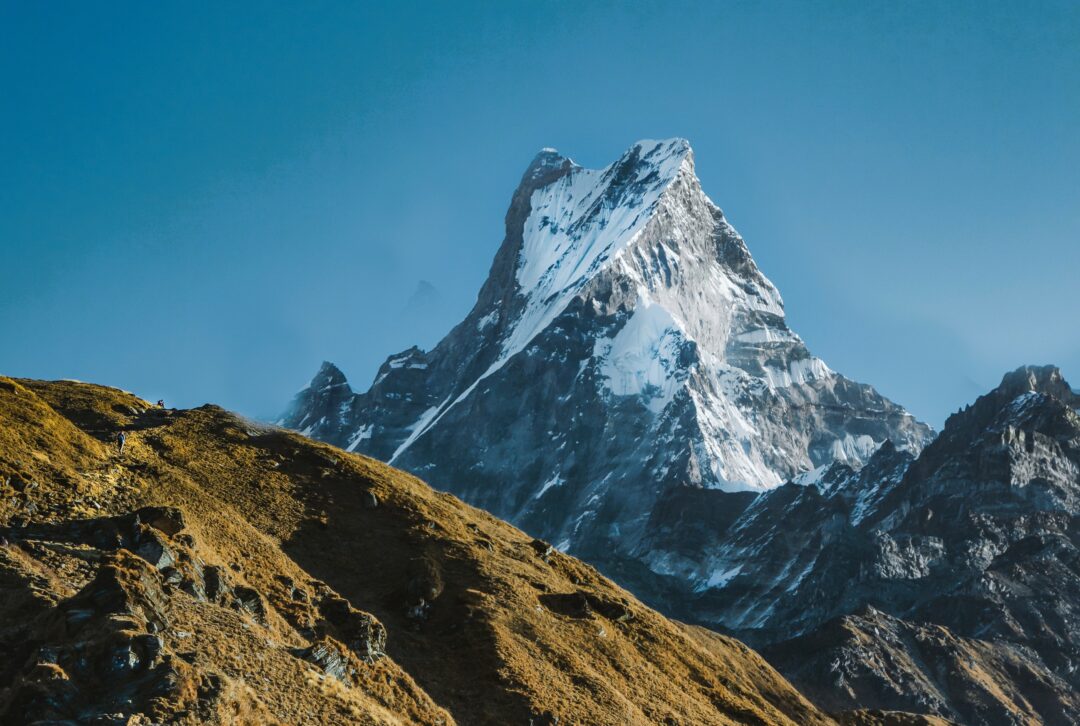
(624, 344)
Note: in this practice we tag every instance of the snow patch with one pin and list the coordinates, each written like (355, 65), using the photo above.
(306, 431)
(766, 335)
(643, 357)
(720, 577)
(812, 477)
(853, 450)
(797, 373)
(406, 361)
(417, 428)
(554, 481)
(363, 433)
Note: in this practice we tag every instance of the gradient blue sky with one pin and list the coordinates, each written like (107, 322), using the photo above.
(202, 201)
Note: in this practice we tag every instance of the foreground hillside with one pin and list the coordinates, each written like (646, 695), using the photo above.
(222, 572)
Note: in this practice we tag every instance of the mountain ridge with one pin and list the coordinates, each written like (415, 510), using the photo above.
(944, 583)
(666, 425)
(626, 310)
(223, 571)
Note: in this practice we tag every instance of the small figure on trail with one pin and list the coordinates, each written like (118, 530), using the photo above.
(161, 403)
(121, 439)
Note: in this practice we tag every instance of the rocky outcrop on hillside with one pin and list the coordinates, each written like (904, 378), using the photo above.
(225, 572)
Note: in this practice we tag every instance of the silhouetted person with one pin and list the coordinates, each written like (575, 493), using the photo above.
(121, 439)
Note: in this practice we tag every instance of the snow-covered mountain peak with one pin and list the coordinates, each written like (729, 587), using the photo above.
(625, 341)
(647, 153)
(580, 220)
(658, 152)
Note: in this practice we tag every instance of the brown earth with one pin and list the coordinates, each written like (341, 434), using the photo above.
(225, 572)
(221, 571)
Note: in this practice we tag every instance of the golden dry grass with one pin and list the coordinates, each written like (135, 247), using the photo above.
(510, 632)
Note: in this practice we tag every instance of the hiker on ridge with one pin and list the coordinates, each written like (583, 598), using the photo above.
(121, 439)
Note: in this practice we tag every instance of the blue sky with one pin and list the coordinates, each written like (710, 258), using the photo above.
(202, 201)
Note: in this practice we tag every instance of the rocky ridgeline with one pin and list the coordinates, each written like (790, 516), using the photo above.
(624, 344)
(946, 583)
(627, 388)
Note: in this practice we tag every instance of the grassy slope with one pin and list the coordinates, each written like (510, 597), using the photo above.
(509, 634)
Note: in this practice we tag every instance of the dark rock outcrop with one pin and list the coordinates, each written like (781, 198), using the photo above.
(947, 583)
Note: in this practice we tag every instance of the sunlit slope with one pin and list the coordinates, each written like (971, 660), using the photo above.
(284, 579)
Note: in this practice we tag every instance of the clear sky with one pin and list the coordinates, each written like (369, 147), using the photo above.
(202, 201)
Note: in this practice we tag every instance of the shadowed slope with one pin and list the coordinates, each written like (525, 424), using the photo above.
(288, 568)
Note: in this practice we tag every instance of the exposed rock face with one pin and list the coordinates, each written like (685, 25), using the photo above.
(122, 649)
(623, 344)
(966, 556)
(871, 657)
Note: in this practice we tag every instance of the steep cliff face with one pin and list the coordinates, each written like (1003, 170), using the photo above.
(947, 583)
(625, 343)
